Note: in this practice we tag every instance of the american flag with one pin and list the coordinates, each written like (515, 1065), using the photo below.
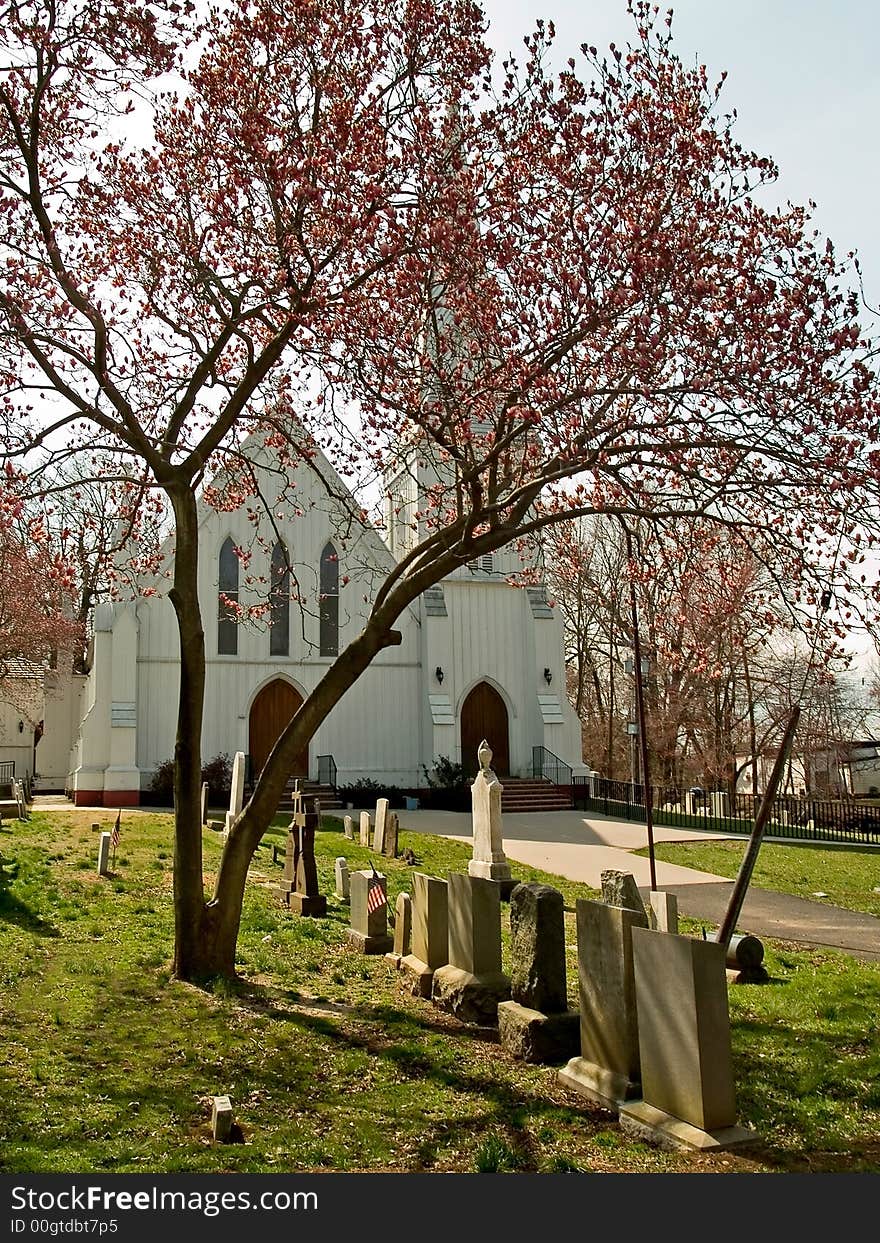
(375, 893)
(114, 838)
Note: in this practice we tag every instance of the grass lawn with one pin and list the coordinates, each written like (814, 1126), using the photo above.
(847, 876)
(108, 1064)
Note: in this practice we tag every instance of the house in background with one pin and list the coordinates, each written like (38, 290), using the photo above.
(39, 716)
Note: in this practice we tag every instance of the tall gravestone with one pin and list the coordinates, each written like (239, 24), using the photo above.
(688, 1098)
(299, 884)
(104, 854)
(430, 933)
(392, 827)
(380, 825)
(365, 828)
(369, 913)
(348, 827)
(607, 1071)
(536, 1024)
(472, 984)
(204, 802)
(236, 789)
(489, 860)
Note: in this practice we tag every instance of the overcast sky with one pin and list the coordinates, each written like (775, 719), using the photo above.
(802, 76)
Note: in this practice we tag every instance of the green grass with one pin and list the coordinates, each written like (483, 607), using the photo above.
(109, 1064)
(848, 876)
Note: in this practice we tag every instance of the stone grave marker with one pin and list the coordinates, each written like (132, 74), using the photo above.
(620, 889)
(392, 827)
(430, 933)
(489, 860)
(607, 1071)
(471, 984)
(688, 1098)
(380, 826)
(402, 929)
(365, 828)
(236, 790)
(663, 914)
(342, 881)
(104, 854)
(204, 802)
(369, 913)
(348, 827)
(536, 1024)
(221, 1119)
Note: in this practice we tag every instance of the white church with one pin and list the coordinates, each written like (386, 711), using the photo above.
(479, 657)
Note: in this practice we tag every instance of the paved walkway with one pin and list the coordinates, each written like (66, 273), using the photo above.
(581, 846)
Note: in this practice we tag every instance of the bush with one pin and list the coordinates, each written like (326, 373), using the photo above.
(217, 772)
(448, 786)
(162, 785)
(365, 791)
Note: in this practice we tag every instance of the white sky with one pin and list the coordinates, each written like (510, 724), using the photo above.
(801, 74)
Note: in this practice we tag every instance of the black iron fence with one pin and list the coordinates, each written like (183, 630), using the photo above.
(803, 819)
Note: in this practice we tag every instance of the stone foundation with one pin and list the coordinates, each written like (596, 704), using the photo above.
(644, 1122)
(471, 998)
(598, 1084)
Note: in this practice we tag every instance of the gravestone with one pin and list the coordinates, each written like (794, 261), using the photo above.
(663, 915)
(221, 1119)
(688, 1098)
(342, 880)
(204, 802)
(348, 827)
(104, 854)
(236, 789)
(365, 828)
(620, 889)
(306, 898)
(430, 933)
(536, 1024)
(471, 984)
(607, 1071)
(392, 826)
(402, 929)
(369, 913)
(380, 825)
(489, 860)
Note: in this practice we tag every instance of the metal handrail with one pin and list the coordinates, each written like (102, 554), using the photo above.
(327, 771)
(546, 764)
(7, 770)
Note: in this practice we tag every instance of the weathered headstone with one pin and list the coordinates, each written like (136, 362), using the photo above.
(430, 933)
(471, 984)
(221, 1119)
(236, 790)
(663, 915)
(489, 860)
(348, 827)
(688, 1098)
(402, 929)
(365, 828)
(307, 898)
(369, 913)
(607, 1071)
(342, 880)
(536, 1024)
(380, 825)
(392, 827)
(620, 889)
(204, 802)
(745, 957)
(104, 854)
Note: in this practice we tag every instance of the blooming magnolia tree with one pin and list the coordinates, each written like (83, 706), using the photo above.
(557, 290)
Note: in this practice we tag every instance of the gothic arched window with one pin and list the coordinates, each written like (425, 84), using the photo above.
(329, 602)
(279, 602)
(227, 598)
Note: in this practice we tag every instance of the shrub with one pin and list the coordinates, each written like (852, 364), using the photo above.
(448, 786)
(218, 774)
(365, 791)
(162, 783)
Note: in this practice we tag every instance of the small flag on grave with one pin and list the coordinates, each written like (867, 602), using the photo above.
(114, 839)
(375, 894)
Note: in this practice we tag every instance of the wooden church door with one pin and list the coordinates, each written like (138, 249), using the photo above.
(483, 715)
(270, 713)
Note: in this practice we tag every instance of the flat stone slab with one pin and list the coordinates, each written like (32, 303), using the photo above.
(369, 945)
(470, 998)
(644, 1122)
(418, 977)
(394, 959)
(531, 1036)
(598, 1084)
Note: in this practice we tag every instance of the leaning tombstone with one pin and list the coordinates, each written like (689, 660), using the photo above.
(536, 1025)
(369, 913)
(365, 828)
(342, 879)
(104, 854)
(402, 929)
(620, 889)
(380, 826)
(688, 1098)
(392, 826)
(607, 1071)
(348, 827)
(430, 933)
(489, 860)
(471, 984)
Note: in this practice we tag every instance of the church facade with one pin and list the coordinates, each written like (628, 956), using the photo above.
(479, 657)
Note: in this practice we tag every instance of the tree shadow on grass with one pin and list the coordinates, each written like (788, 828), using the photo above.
(14, 911)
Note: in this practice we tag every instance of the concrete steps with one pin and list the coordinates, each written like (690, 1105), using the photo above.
(530, 795)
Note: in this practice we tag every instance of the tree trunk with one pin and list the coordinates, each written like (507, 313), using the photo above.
(190, 959)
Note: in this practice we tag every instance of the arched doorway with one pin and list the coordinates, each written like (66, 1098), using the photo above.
(270, 713)
(483, 715)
